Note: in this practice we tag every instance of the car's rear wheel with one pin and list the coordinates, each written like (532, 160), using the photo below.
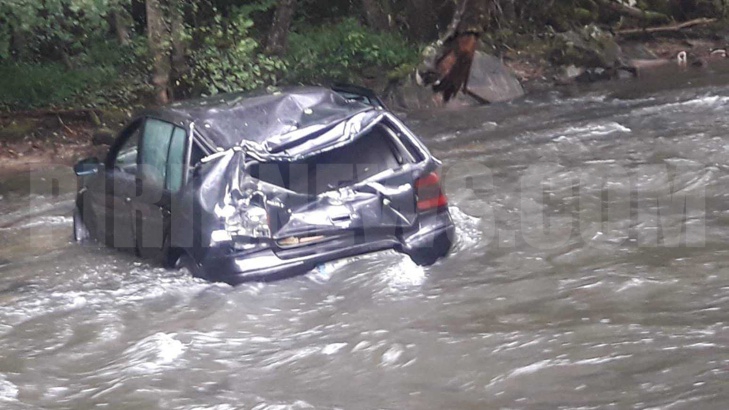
(428, 255)
(424, 258)
(187, 261)
(80, 231)
(170, 255)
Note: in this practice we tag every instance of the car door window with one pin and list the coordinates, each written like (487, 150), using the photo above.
(155, 147)
(176, 160)
(126, 157)
(163, 154)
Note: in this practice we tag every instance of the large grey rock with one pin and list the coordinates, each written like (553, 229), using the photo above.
(588, 47)
(639, 58)
(637, 51)
(408, 95)
(490, 81)
(569, 74)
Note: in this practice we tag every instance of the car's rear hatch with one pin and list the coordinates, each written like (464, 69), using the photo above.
(333, 174)
(360, 190)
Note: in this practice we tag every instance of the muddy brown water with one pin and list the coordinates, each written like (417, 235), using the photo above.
(591, 271)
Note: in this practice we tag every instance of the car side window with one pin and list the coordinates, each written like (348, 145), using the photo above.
(163, 154)
(155, 146)
(126, 157)
(196, 155)
(176, 160)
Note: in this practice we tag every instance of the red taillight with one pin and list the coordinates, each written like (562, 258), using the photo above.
(429, 192)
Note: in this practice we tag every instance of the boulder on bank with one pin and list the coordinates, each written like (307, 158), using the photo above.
(589, 47)
(491, 81)
(591, 54)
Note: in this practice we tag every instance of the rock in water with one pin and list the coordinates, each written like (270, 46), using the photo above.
(490, 81)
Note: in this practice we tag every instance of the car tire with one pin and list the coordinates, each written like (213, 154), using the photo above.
(424, 259)
(429, 255)
(171, 256)
(186, 261)
(80, 231)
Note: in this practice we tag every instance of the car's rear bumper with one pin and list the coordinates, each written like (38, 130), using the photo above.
(432, 241)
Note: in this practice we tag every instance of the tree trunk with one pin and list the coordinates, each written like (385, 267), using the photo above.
(120, 25)
(448, 65)
(18, 44)
(422, 19)
(158, 46)
(475, 17)
(376, 16)
(508, 11)
(278, 35)
(179, 45)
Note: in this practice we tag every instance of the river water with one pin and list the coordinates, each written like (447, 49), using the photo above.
(591, 271)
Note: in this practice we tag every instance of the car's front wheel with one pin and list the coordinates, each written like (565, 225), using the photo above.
(188, 262)
(80, 231)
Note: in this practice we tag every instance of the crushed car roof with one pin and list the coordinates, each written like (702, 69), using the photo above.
(229, 119)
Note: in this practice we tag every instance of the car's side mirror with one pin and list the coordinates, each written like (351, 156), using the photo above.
(87, 166)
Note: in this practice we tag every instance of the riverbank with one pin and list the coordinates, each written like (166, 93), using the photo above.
(583, 276)
(543, 63)
(30, 140)
(36, 138)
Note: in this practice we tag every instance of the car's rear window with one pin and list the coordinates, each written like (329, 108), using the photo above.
(369, 155)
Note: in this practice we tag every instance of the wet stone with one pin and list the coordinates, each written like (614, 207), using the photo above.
(491, 81)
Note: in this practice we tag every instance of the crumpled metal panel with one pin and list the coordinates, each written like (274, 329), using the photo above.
(291, 127)
(232, 119)
(222, 180)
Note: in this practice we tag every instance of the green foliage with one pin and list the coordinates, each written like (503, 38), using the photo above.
(255, 7)
(32, 85)
(228, 58)
(66, 26)
(344, 51)
(103, 75)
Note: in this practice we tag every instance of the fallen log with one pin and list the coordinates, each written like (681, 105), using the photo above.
(672, 28)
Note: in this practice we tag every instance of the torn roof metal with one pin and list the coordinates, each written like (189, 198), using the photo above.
(229, 120)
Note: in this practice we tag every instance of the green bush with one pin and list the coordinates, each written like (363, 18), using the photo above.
(344, 52)
(53, 25)
(228, 58)
(26, 85)
(105, 74)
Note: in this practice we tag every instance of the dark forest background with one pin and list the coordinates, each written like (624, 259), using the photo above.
(100, 53)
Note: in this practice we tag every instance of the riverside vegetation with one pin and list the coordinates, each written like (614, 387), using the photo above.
(68, 67)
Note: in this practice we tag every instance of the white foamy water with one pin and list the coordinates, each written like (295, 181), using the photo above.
(704, 103)
(625, 314)
(590, 130)
(8, 391)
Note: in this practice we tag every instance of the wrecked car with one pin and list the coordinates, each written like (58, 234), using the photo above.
(261, 186)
